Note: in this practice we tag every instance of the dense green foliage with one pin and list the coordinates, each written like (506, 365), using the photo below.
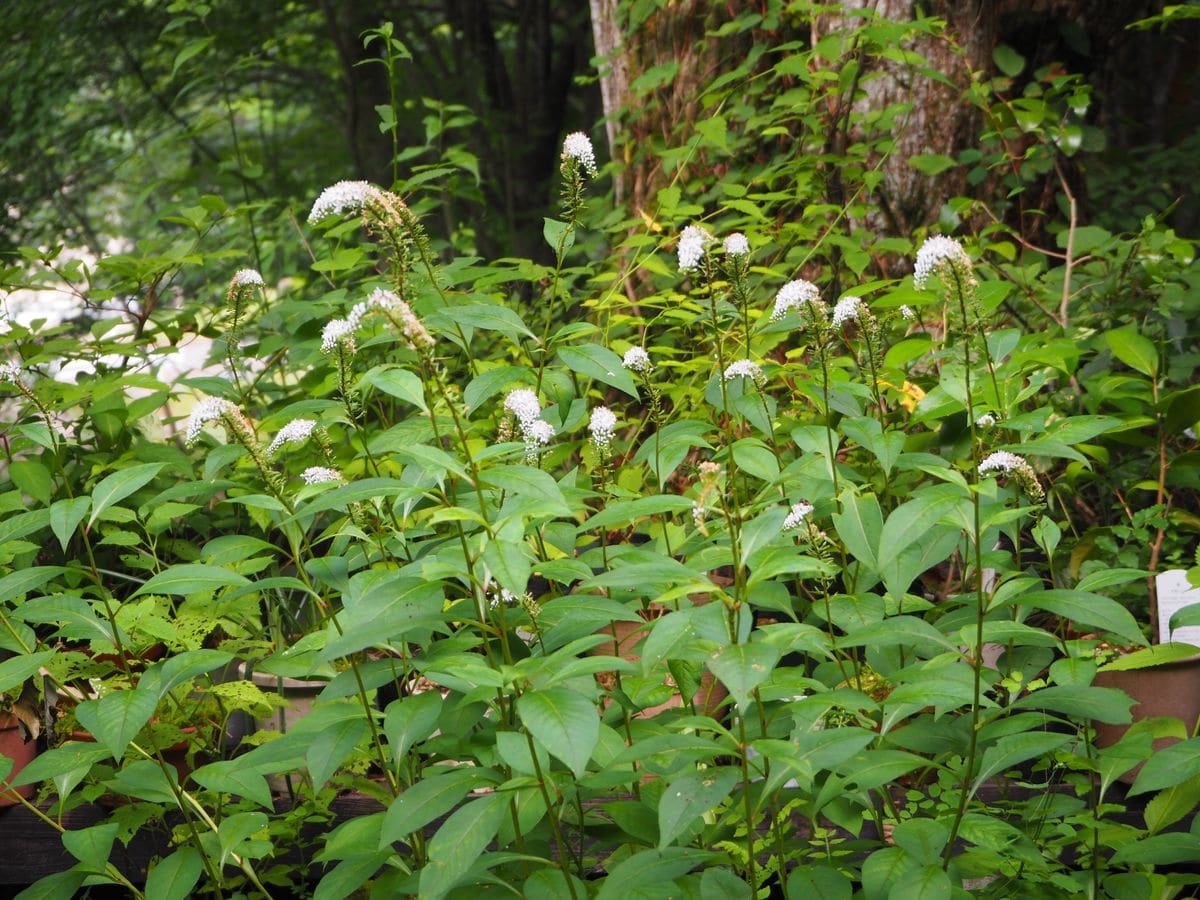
(874, 551)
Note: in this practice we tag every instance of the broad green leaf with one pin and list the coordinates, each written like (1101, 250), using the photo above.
(236, 829)
(550, 884)
(600, 363)
(91, 846)
(1103, 704)
(690, 796)
(1008, 60)
(72, 612)
(1013, 750)
(859, 525)
(930, 882)
(174, 878)
(490, 382)
(68, 760)
(906, 631)
(65, 516)
(1086, 608)
(743, 667)
(923, 839)
(331, 747)
(651, 867)
(559, 235)
(33, 478)
(487, 317)
(119, 485)
(526, 481)
(432, 796)
(389, 610)
(508, 562)
(622, 512)
(23, 581)
(229, 776)
(19, 669)
(1156, 655)
(397, 382)
(191, 578)
(1168, 807)
(410, 720)
(817, 882)
(1159, 850)
(174, 671)
(1134, 350)
(873, 768)
(116, 718)
(349, 875)
(189, 50)
(1168, 767)
(566, 723)
(460, 842)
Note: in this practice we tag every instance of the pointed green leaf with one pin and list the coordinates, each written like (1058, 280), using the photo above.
(116, 718)
(600, 363)
(410, 720)
(743, 667)
(65, 516)
(174, 878)
(119, 485)
(690, 796)
(460, 842)
(331, 747)
(1134, 350)
(91, 846)
(432, 796)
(564, 722)
(190, 578)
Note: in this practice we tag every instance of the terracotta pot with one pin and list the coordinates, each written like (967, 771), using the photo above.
(711, 693)
(1169, 689)
(21, 752)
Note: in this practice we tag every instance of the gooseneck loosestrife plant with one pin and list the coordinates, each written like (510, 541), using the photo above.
(740, 577)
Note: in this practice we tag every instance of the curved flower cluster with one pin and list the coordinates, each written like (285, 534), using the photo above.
(412, 329)
(637, 360)
(602, 425)
(795, 518)
(294, 432)
(691, 247)
(846, 309)
(578, 146)
(907, 313)
(246, 278)
(736, 245)
(320, 475)
(10, 372)
(795, 295)
(938, 254)
(744, 368)
(1004, 463)
(212, 409)
(339, 198)
(537, 432)
(337, 332)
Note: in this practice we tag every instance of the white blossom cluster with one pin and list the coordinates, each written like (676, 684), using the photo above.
(602, 425)
(537, 432)
(10, 372)
(936, 252)
(845, 310)
(794, 295)
(691, 247)
(736, 245)
(246, 278)
(906, 312)
(578, 147)
(637, 360)
(320, 475)
(987, 420)
(412, 329)
(744, 368)
(294, 432)
(335, 332)
(796, 516)
(208, 410)
(339, 198)
(1003, 462)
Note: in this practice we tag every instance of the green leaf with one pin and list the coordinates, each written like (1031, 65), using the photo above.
(174, 878)
(65, 516)
(1086, 608)
(396, 382)
(559, 235)
(508, 563)
(600, 363)
(859, 525)
(119, 485)
(1013, 750)
(236, 829)
(19, 669)
(31, 477)
(1183, 409)
(1156, 655)
(490, 382)
(1008, 60)
(410, 720)
(623, 512)
(191, 578)
(116, 718)
(189, 50)
(460, 842)
(68, 760)
(566, 723)
(74, 613)
(690, 796)
(550, 884)
(651, 867)
(526, 481)
(487, 317)
(21, 582)
(389, 610)
(931, 163)
(432, 796)
(1168, 807)
(816, 882)
(331, 747)
(348, 876)
(91, 846)
(922, 839)
(743, 667)
(170, 673)
(1159, 850)
(229, 776)
(1100, 703)
(929, 882)
(1167, 767)
(1134, 350)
